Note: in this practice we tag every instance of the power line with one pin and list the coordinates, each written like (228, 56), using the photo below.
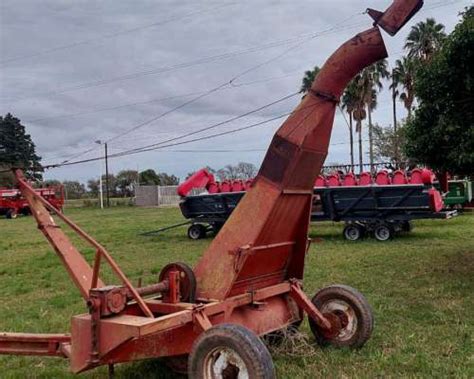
(210, 59)
(200, 61)
(223, 85)
(105, 109)
(154, 147)
(108, 36)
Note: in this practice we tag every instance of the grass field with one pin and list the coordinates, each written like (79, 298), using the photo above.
(420, 285)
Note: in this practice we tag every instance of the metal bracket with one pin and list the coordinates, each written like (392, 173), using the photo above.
(200, 320)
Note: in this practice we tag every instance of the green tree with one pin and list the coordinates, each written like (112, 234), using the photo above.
(126, 182)
(73, 189)
(349, 102)
(17, 150)
(441, 133)
(93, 185)
(386, 143)
(359, 114)
(308, 80)
(167, 180)
(404, 76)
(149, 177)
(370, 83)
(424, 39)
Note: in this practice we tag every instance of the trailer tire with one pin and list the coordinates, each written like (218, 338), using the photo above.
(354, 312)
(226, 350)
(11, 214)
(353, 232)
(196, 231)
(383, 232)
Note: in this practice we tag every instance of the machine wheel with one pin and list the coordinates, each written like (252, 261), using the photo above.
(187, 280)
(11, 214)
(353, 232)
(196, 231)
(353, 311)
(230, 351)
(407, 226)
(383, 232)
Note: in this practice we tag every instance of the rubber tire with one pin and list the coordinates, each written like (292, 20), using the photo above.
(11, 214)
(362, 310)
(196, 232)
(380, 227)
(243, 341)
(356, 227)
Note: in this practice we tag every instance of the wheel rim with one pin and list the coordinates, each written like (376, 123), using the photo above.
(347, 316)
(352, 233)
(195, 233)
(382, 233)
(224, 363)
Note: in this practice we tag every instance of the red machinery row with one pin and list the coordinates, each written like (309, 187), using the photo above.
(203, 179)
(13, 203)
(382, 178)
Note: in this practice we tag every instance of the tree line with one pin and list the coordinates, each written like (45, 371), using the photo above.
(121, 185)
(242, 170)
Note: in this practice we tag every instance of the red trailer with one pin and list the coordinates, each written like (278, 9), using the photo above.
(12, 202)
(248, 283)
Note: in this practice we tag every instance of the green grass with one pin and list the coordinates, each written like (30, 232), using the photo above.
(420, 285)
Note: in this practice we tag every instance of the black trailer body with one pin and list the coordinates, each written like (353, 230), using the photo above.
(381, 210)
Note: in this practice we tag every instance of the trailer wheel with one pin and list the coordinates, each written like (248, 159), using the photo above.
(353, 311)
(353, 232)
(383, 232)
(196, 231)
(11, 214)
(187, 280)
(230, 351)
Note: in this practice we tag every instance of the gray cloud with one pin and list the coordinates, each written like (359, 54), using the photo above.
(36, 86)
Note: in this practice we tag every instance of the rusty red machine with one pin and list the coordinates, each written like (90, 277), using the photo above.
(248, 282)
(12, 203)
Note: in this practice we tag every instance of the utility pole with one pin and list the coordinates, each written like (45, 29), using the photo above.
(107, 175)
(101, 191)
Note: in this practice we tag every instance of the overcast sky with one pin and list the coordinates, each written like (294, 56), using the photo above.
(79, 71)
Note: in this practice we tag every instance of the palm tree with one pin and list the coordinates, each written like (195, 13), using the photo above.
(394, 88)
(308, 80)
(348, 101)
(424, 39)
(370, 84)
(358, 113)
(404, 73)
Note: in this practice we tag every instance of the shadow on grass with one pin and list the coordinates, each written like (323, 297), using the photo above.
(148, 369)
